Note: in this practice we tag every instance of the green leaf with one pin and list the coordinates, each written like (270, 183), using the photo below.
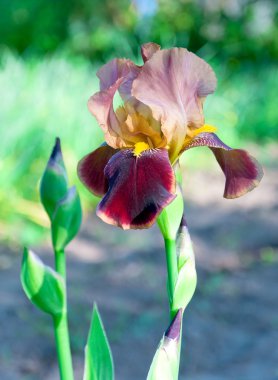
(43, 286)
(54, 182)
(165, 364)
(66, 219)
(185, 285)
(98, 357)
(170, 217)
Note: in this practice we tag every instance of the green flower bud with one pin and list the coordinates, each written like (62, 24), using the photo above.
(44, 287)
(54, 181)
(165, 364)
(184, 244)
(66, 219)
(187, 276)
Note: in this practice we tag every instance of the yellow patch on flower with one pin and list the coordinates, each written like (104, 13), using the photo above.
(193, 133)
(136, 128)
(139, 148)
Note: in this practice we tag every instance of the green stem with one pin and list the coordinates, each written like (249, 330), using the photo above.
(63, 347)
(172, 269)
(61, 327)
(60, 263)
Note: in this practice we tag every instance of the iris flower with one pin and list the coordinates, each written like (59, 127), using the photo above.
(161, 117)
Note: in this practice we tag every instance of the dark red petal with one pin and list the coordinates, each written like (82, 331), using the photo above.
(243, 173)
(91, 169)
(139, 188)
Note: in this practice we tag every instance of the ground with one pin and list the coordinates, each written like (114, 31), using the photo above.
(230, 327)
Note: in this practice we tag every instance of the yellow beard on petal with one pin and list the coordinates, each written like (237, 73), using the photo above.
(193, 133)
(139, 148)
(138, 128)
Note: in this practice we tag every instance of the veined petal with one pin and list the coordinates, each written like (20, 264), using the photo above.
(243, 173)
(172, 83)
(91, 169)
(109, 73)
(139, 188)
(148, 50)
(101, 106)
(116, 75)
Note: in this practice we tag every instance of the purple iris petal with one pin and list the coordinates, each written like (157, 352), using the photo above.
(91, 169)
(243, 173)
(139, 188)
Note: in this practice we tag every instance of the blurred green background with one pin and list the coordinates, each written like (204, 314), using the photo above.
(50, 51)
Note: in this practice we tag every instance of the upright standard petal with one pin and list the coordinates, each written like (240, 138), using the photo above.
(116, 75)
(148, 50)
(115, 69)
(172, 83)
(91, 169)
(139, 188)
(101, 106)
(243, 173)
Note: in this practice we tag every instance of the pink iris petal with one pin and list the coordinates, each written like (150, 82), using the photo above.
(148, 50)
(116, 75)
(91, 169)
(139, 188)
(172, 83)
(101, 106)
(115, 69)
(243, 173)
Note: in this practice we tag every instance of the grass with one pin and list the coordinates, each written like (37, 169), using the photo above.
(40, 100)
(44, 99)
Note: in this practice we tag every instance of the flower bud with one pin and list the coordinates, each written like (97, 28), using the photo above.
(184, 244)
(165, 364)
(44, 287)
(54, 181)
(66, 219)
(187, 276)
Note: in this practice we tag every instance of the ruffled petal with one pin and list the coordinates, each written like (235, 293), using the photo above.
(115, 69)
(148, 50)
(91, 169)
(243, 172)
(116, 75)
(173, 83)
(139, 188)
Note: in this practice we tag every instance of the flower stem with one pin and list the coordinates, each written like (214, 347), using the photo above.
(172, 269)
(63, 347)
(61, 327)
(60, 264)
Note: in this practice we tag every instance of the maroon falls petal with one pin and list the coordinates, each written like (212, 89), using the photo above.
(139, 188)
(243, 173)
(91, 169)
